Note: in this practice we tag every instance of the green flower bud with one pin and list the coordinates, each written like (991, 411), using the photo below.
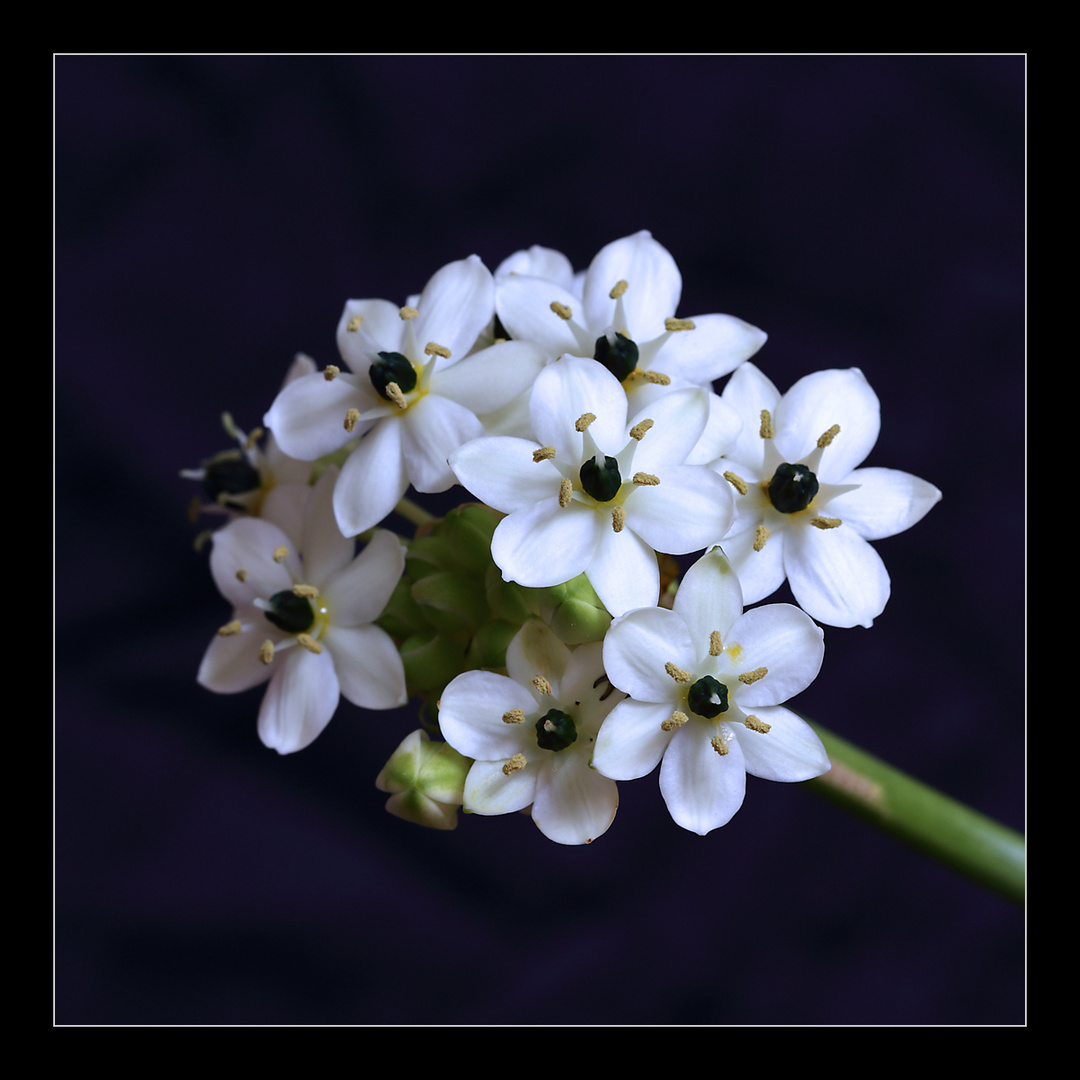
(575, 612)
(510, 601)
(468, 530)
(488, 646)
(425, 780)
(403, 616)
(452, 600)
(431, 660)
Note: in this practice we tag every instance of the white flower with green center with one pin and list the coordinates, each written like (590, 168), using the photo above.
(412, 391)
(706, 684)
(806, 512)
(304, 624)
(532, 732)
(597, 494)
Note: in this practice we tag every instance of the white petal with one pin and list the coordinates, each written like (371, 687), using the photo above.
(638, 645)
(573, 803)
(471, 712)
(489, 791)
(308, 416)
(762, 572)
(836, 576)
(366, 328)
(789, 751)
(689, 510)
(538, 262)
(631, 740)
(372, 480)
(368, 666)
(231, 662)
(324, 548)
(300, 700)
(702, 789)
(748, 391)
(569, 388)
(709, 599)
(624, 570)
(501, 471)
(524, 304)
(784, 640)
(491, 378)
(455, 306)
(546, 544)
(242, 561)
(886, 503)
(716, 346)
(432, 429)
(358, 593)
(679, 420)
(720, 434)
(537, 650)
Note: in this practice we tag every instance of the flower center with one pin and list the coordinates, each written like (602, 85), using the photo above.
(792, 488)
(392, 367)
(617, 353)
(230, 473)
(600, 478)
(289, 612)
(555, 730)
(707, 697)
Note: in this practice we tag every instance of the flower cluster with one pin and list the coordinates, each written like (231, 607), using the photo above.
(547, 626)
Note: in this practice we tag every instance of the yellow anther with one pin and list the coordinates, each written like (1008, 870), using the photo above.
(677, 673)
(266, 651)
(657, 377)
(351, 419)
(354, 323)
(433, 348)
(749, 677)
(716, 647)
(305, 590)
(761, 534)
(241, 575)
(408, 312)
(646, 478)
(280, 554)
(516, 762)
(675, 720)
(566, 492)
(544, 453)
(618, 518)
(754, 724)
(679, 324)
(331, 372)
(309, 643)
(253, 438)
(618, 289)
(541, 684)
(393, 392)
(513, 716)
(719, 745)
(561, 310)
(230, 629)
(766, 431)
(584, 420)
(737, 482)
(637, 432)
(824, 522)
(828, 436)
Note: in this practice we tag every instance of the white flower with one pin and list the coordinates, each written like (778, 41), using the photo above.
(413, 392)
(531, 734)
(304, 624)
(805, 511)
(706, 682)
(596, 494)
(623, 316)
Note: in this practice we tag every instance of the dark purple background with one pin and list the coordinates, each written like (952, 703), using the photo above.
(213, 215)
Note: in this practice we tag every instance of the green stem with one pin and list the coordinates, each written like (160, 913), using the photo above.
(415, 513)
(940, 827)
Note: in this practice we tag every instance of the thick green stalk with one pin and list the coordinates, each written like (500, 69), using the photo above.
(415, 513)
(940, 827)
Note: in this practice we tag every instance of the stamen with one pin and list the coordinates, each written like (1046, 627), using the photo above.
(513, 716)
(646, 478)
(824, 522)
(393, 392)
(408, 312)
(618, 518)
(618, 289)
(754, 724)
(543, 453)
(331, 372)
(761, 534)
(561, 310)
(716, 647)
(657, 377)
(354, 323)
(305, 590)
(675, 720)
(541, 684)
(515, 763)
(230, 629)
(351, 418)
(266, 651)
(719, 745)
(679, 324)
(676, 673)
(241, 575)
(254, 436)
(583, 421)
(280, 554)
(766, 431)
(309, 643)
(828, 436)
(737, 482)
(637, 432)
(566, 492)
(749, 677)
(433, 348)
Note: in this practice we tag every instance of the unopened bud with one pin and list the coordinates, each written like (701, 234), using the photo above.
(425, 780)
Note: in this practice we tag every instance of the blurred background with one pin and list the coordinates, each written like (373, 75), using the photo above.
(213, 214)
